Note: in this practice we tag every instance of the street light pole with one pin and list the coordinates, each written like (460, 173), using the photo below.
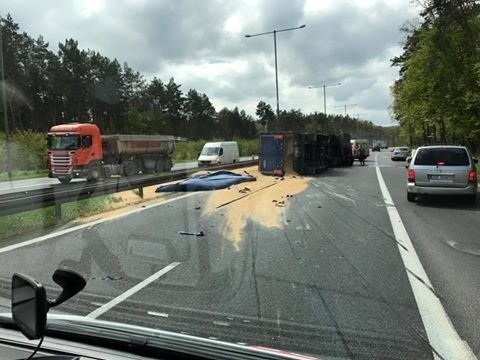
(324, 94)
(274, 32)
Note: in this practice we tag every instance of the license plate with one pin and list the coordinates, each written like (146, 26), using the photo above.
(441, 177)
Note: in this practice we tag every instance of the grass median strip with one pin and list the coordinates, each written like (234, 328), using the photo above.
(42, 219)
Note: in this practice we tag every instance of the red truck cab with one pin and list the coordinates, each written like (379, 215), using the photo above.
(74, 151)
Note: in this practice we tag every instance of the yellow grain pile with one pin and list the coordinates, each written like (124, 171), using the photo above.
(263, 201)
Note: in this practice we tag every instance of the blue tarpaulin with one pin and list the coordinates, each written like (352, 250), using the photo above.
(212, 181)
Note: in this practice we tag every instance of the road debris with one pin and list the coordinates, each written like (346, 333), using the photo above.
(199, 233)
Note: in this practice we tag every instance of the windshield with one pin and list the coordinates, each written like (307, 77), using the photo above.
(210, 151)
(291, 231)
(63, 142)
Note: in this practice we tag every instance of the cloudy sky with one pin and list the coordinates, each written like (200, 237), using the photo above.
(202, 44)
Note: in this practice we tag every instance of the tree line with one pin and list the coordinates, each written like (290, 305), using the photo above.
(437, 95)
(45, 88)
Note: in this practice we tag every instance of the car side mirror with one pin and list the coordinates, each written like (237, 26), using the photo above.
(29, 306)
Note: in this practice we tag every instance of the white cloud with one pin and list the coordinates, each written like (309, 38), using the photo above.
(202, 45)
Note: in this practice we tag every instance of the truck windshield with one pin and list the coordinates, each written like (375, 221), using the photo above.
(210, 151)
(63, 142)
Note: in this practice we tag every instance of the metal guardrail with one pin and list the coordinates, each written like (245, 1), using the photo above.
(57, 195)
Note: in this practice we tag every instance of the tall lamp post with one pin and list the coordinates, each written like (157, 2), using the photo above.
(274, 32)
(324, 94)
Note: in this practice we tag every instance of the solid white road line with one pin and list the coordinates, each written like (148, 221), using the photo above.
(154, 313)
(440, 331)
(78, 227)
(96, 313)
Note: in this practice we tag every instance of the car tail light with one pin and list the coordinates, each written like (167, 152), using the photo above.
(441, 163)
(411, 176)
(472, 176)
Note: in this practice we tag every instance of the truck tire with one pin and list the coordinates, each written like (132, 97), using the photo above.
(94, 173)
(160, 166)
(129, 168)
(168, 165)
(107, 172)
(65, 180)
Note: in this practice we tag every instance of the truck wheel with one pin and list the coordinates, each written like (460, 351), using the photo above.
(160, 166)
(106, 172)
(94, 173)
(130, 168)
(65, 180)
(168, 165)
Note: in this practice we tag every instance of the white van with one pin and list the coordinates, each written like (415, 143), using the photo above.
(217, 153)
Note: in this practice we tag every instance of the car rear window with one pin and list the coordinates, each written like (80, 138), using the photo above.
(447, 156)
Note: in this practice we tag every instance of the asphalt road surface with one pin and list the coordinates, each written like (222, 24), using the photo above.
(339, 278)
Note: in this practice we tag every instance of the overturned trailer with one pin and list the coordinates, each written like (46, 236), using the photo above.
(306, 154)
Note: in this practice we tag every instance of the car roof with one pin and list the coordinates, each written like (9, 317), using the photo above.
(442, 146)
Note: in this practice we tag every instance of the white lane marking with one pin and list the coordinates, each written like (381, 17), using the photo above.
(97, 312)
(440, 331)
(221, 323)
(154, 313)
(78, 227)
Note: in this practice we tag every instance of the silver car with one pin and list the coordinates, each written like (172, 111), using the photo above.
(400, 153)
(442, 170)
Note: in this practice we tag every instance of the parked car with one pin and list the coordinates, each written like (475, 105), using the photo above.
(442, 170)
(400, 153)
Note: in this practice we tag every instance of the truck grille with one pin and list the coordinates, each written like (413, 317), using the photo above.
(61, 164)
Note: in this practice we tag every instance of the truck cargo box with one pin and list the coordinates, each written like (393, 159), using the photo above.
(276, 153)
(137, 144)
(310, 154)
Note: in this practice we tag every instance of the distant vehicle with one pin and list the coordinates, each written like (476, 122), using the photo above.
(217, 153)
(78, 150)
(442, 170)
(400, 153)
(358, 144)
(380, 143)
(376, 148)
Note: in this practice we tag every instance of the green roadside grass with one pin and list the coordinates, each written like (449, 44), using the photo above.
(23, 174)
(42, 220)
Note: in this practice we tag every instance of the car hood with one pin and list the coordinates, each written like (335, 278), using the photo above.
(141, 336)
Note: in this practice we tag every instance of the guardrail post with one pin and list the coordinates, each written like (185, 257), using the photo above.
(140, 192)
(58, 211)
